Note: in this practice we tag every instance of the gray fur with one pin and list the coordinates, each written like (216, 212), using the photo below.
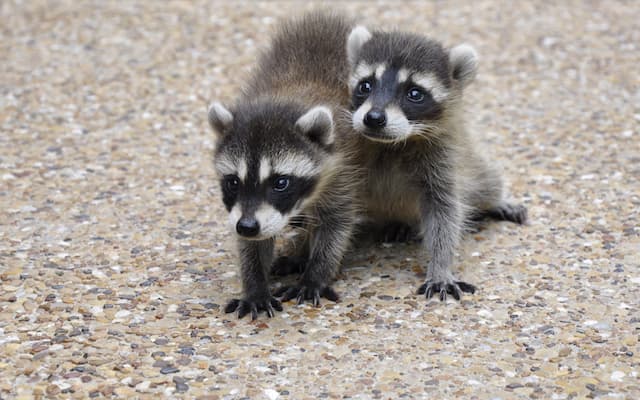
(435, 176)
(255, 260)
(305, 67)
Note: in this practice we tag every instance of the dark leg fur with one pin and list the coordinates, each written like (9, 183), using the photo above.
(255, 257)
(516, 213)
(328, 243)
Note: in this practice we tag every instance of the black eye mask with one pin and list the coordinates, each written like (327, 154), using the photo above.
(282, 197)
(298, 188)
(415, 101)
(230, 185)
(426, 108)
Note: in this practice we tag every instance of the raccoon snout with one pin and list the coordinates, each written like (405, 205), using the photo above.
(248, 227)
(375, 119)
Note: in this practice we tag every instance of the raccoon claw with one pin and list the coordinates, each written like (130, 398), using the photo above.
(269, 305)
(454, 288)
(398, 232)
(283, 266)
(302, 293)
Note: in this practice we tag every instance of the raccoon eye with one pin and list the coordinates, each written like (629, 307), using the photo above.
(364, 88)
(281, 184)
(415, 95)
(231, 183)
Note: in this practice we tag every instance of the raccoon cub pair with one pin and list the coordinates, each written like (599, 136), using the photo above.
(403, 160)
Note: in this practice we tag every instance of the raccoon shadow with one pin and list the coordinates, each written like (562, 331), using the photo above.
(372, 259)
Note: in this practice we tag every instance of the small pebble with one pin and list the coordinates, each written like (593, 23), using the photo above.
(169, 370)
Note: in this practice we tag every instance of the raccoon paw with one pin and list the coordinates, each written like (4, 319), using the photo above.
(268, 304)
(516, 213)
(398, 232)
(303, 292)
(283, 266)
(442, 288)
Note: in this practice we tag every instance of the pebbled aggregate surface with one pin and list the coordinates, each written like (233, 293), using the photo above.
(116, 262)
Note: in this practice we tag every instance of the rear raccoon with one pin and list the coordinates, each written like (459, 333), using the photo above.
(424, 168)
(282, 162)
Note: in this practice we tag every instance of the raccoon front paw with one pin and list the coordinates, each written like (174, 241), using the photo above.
(399, 232)
(284, 265)
(268, 304)
(307, 292)
(442, 288)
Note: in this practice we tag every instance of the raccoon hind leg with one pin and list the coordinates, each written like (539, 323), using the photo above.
(516, 213)
(399, 232)
(485, 197)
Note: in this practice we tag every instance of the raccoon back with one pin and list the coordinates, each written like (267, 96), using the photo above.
(307, 58)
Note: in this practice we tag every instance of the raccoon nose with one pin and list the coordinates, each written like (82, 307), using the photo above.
(248, 227)
(375, 119)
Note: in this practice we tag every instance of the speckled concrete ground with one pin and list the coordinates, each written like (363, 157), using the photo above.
(114, 257)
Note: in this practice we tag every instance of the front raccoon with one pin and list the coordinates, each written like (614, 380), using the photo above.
(281, 163)
(424, 168)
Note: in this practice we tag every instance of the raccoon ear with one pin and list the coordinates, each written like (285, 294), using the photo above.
(464, 63)
(317, 125)
(357, 38)
(220, 119)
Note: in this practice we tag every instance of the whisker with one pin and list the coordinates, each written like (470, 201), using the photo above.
(305, 217)
(306, 220)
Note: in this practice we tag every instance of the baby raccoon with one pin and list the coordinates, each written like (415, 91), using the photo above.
(282, 163)
(424, 168)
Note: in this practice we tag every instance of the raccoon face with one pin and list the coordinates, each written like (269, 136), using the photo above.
(269, 158)
(402, 84)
